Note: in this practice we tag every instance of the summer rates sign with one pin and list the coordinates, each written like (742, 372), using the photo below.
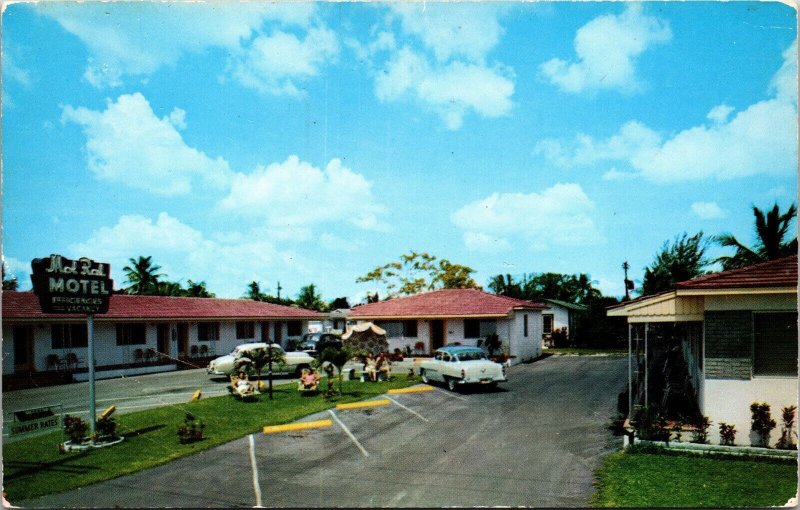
(63, 285)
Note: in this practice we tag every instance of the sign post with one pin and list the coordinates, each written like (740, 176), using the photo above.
(80, 286)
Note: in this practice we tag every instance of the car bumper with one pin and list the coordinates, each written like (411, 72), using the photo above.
(483, 380)
(211, 371)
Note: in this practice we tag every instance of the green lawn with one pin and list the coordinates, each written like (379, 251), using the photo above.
(645, 478)
(584, 350)
(34, 467)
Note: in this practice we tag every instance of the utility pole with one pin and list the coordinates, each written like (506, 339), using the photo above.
(279, 290)
(628, 283)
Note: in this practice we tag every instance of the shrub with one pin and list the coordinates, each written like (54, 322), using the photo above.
(762, 422)
(787, 429)
(651, 423)
(419, 347)
(75, 428)
(727, 434)
(559, 338)
(191, 430)
(106, 427)
(700, 434)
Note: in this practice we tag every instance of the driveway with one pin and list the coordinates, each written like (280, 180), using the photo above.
(534, 442)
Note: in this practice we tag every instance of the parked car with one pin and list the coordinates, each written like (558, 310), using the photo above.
(315, 343)
(460, 365)
(295, 361)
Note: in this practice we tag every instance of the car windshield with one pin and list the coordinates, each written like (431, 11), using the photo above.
(471, 355)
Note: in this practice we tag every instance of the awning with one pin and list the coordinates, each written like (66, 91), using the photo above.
(360, 328)
(664, 307)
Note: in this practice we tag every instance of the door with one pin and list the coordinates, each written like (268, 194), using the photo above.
(265, 332)
(278, 332)
(162, 340)
(183, 339)
(437, 334)
(23, 349)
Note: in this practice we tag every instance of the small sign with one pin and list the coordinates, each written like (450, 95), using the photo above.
(80, 286)
(35, 420)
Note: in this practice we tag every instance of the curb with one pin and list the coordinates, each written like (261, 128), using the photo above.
(297, 426)
(358, 405)
(413, 389)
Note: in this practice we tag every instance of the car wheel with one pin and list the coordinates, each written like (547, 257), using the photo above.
(493, 385)
(451, 384)
(424, 376)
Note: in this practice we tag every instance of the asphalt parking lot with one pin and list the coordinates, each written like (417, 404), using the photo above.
(533, 442)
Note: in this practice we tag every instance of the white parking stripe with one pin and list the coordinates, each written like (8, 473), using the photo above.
(256, 485)
(407, 409)
(349, 434)
(449, 394)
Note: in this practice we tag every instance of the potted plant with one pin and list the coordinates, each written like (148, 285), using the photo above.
(75, 429)
(191, 430)
(761, 423)
(786, 442)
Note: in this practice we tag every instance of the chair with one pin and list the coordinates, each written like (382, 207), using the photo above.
(308, 381)
(246, 394)
(203, 350)
(150, 355)
(194, 351)
(72, 360)
(138, 356)
(53, 361)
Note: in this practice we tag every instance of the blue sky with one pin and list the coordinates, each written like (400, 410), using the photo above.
(312, 142)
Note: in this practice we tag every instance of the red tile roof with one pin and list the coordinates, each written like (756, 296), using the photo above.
(25, 305)
(773, 273)
(444, 303)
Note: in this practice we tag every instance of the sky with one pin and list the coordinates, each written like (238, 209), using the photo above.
(311, 142)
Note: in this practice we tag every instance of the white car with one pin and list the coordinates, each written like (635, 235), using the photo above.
(295, 361)
(459, 365)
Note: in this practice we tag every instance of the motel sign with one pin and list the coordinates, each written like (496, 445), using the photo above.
(71, 286)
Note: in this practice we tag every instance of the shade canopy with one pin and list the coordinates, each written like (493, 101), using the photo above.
(366, 338)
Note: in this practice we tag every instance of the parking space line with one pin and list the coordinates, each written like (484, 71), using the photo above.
(349, 434)
(409, 410)
(450, 394)
(302, 425)
(256, 485)
(368, 403)
(413, 389)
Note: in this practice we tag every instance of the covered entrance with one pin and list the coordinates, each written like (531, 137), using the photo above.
(162, 340)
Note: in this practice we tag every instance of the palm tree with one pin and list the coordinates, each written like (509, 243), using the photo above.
(254, 291)
(257, 359)
(337, 357)
(771, 231)
(197, 289)
(504, 285)
(142, 275)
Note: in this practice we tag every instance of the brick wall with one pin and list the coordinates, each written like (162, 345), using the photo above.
(729, 344)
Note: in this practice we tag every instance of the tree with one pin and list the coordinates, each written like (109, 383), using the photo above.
(254, 291)
(197, 289)
(339, 303)
(142, 276)
(11, 282)
(418, 271)
(504, 285)
(771, 230)
(257, 359)
(309, 299)
(168, 289)
(682, 260)
(338, 357)
(564, 287)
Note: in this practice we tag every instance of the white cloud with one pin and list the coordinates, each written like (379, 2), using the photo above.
(13, 71)
(761, 139)
(616, 175)
(606, 49)
(707, 210)
(451, 90)
(127, 143)
(274, 63)
(336, 243)
(296, 193)
(561, 215)
(480, 242)
(185, 253)
(138, 38)
(452, 30)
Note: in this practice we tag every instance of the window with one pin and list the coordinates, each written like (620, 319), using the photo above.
(207, 331)
(294, 328)
(775, 344)
(131, 334)
(547, 323)
(472, 328)
(66, 336)
(245, 330)
(525, 325)
(396, 329)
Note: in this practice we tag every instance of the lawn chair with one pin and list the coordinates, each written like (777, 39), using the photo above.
(72, 360)
(247, 393)
(203, 351)
(309, 380)
(194, 351)
(53, 361)
(150, 355)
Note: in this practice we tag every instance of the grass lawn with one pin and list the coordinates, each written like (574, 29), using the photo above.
(34, 467)
(584, 350)
(646, 478)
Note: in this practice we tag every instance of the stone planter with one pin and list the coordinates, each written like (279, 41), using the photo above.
(85, 444)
